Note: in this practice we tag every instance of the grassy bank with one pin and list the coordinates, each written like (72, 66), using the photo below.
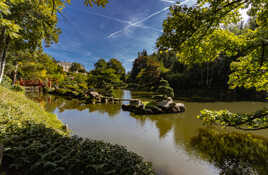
(36, 142)
(16, 109)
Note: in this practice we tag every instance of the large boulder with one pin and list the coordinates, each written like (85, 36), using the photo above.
(166, 105)
(94, 94)
(135, 102)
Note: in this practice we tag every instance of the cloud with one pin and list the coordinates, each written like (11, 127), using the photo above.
(130, 22)
(140, 22)
(137, 23)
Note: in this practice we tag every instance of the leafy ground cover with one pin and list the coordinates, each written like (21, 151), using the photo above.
(36, 142)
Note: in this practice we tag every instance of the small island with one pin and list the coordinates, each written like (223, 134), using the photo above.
(159, 105)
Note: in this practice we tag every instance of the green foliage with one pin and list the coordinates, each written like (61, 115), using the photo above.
(208, 32)
(18, 88)
(97, 2)
(165, 89)
(203, 34)
(15, 108)
(118, 67)
(232, 152)
(145, 73)
(107, 75)
(51, 153)
(245, 121)
(36, 142)
(35, 65)
(7, 82)
(247, 73)
(76, 67)
(73, 84)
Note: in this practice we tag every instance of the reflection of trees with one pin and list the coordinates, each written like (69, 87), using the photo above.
(233, 153)
(163, 123)
(51, 103)
(71, 104)
(111, 109)
(118, 93)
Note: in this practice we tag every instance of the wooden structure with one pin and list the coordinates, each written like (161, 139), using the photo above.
(37, 85)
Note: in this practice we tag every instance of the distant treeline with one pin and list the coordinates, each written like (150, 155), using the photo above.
(198, 79)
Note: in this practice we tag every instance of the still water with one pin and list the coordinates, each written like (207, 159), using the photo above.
(176, 144)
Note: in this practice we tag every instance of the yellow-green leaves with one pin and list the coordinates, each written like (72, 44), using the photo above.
(12, 29)
(97, 2)
(4, 8)
(257, 120)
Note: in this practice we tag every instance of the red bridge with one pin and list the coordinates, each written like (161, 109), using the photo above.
(32, 83)
(48, 83)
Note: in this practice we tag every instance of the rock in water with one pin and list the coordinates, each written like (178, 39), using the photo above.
(159, 107)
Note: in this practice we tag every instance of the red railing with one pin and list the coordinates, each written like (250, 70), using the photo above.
(31, 83)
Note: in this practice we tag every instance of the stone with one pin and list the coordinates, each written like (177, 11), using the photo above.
(94, 94)
(181, 107)
(165, 106)
(165, 103)
(136, 102)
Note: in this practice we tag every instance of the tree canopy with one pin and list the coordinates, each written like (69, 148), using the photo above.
(207, 32)
(27, 24)
(200, 34)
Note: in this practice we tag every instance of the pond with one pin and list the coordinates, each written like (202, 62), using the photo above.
(176, 144)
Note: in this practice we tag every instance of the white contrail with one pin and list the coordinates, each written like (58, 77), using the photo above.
(120, 21)
(169, 1)
(148, 17)
(138, 22)
(152, 15)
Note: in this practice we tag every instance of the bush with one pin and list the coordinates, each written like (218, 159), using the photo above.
(37, 143)
(37, 150)
(165, 89)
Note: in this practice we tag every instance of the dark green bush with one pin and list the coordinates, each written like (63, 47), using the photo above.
(165, 89)
(37, 150)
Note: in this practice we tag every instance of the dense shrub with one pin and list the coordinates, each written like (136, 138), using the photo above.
(37, 143)
(165, 89)
(35, 149)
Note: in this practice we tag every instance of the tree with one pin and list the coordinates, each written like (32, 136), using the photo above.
(118, 67)
(27, 23)
(145, 72)
(165, 89)
(106, 75)
(76, 67)
(198, 35)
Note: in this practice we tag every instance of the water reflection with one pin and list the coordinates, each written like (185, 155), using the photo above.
(233, 153)
(51, 103)
(177, 144)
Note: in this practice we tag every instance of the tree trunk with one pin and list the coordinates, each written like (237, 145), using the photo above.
(201, 82)
(207, 75)
(15, 74)
(3, 61)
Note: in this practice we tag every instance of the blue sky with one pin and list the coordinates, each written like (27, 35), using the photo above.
(119, 30)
